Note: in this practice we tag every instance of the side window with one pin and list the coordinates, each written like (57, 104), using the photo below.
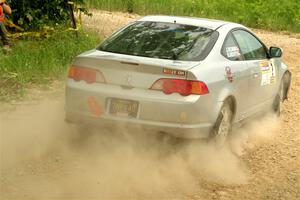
(251, 48)
(230, 49)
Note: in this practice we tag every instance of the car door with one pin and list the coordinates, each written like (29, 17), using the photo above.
(238, 68)
(262, 72)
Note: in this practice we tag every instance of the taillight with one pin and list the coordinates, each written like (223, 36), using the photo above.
(88, 75)
(181, 86)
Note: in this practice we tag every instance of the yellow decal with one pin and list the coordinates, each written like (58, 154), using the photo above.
(268, 72)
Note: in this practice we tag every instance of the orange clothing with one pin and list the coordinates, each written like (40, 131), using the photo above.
(2, 16)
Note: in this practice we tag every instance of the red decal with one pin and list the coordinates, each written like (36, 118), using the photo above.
(94, 107)
(229, 74)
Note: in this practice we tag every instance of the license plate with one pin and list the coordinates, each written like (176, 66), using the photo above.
(123, 108)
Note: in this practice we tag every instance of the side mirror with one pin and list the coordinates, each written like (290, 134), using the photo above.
(275, 52)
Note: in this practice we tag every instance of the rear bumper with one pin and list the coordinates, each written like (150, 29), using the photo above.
(174, 129)
(187, 117)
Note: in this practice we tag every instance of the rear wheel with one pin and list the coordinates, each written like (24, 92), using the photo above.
(223, 126)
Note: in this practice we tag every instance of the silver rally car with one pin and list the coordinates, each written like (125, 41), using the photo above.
(189, 77)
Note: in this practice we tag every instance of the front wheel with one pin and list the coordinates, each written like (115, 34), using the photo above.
(223, 126)
(277, 106)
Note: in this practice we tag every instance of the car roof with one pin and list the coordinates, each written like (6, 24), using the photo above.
(202, 22)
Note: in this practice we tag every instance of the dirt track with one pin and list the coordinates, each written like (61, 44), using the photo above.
(42, 157)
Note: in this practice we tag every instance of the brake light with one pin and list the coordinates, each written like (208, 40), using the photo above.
(88, 75)
(181, 86)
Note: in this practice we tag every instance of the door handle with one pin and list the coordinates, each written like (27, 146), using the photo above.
(255, 74)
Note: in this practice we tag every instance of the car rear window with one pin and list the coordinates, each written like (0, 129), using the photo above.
(162, 40)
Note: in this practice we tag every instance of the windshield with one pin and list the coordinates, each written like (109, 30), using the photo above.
(162, 40)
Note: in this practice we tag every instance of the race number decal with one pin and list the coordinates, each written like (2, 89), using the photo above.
(268, 73)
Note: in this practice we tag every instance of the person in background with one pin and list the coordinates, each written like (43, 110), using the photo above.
(4, 9)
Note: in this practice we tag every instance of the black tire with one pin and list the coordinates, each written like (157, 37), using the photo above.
(277, 105)
(222, 127)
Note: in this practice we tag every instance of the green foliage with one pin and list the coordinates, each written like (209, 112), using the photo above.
(269, 14)
(37, 62)
(34, 14)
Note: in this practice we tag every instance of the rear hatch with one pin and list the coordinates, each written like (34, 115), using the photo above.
(133, 71)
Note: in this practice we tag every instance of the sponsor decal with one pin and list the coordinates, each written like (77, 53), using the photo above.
(264, 65)
(174, 72)
(268, 73)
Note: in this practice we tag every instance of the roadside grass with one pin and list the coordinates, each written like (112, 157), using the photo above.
(267, 14)
(35, 62)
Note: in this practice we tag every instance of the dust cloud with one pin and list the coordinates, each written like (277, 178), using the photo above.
(42, 157)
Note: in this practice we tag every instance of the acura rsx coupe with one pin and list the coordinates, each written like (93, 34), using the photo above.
(189, 77)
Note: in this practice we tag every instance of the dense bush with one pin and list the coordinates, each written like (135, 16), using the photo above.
(34, 14)
(270, 14)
